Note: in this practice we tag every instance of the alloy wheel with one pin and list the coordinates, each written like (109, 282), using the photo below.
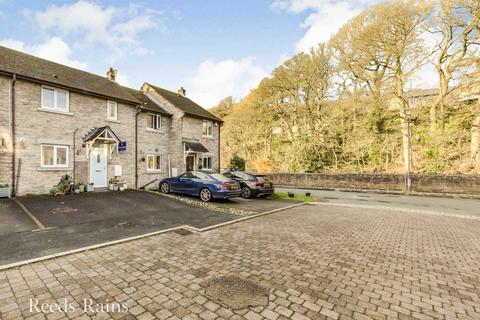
(205, 195)
(164, 188)
(246, 192)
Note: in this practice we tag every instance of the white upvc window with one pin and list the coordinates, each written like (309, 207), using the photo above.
(207, 163)
(207, 128)
(55, 99)
(112, 110)
(154, 121)
(54, 156)
(154, 163)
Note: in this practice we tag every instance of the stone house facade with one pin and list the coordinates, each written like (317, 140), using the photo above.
(56, 121)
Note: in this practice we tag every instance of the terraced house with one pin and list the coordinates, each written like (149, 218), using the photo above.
(56, 120)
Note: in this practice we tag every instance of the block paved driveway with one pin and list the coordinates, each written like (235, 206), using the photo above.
(319, 263)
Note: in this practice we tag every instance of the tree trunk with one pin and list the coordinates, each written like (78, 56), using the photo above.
(475, 141)
(405, 141)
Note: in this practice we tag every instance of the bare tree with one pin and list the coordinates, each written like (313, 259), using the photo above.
(456, 23)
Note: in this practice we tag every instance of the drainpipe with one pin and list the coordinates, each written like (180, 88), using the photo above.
(14, 144)
(139, 110)
(74, 155)
(219, 142)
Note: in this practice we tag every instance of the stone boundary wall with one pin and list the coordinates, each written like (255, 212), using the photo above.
(421, 183)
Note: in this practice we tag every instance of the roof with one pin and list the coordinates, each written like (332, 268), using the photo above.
(147, 103)
(96, 132)
(195, 146)
(34, 68)
(418, 93)
(185, 104)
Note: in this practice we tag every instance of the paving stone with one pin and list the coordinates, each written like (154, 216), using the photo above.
(317, 262)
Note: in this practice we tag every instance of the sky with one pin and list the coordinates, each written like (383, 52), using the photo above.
(213, 48)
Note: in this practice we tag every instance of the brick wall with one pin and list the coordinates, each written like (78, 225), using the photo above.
(457, 184)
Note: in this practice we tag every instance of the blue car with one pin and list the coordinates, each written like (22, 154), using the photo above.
(205, 185)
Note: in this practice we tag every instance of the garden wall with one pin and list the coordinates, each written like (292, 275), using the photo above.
(423, 183)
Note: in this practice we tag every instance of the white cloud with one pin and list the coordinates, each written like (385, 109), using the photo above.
(117, 28)
(54, 49)
(324, 19)
(213, 81)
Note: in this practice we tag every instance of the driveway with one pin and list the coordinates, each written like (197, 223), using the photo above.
(258, 205)
(77, 221)
(13, 219)
(318, 262)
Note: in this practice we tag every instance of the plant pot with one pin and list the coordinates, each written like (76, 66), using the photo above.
(121, 186)
(115, 187)
(291, 194)
(5, 192)
(90, 187)
(307, 194)
(111, 187)
(81, 188)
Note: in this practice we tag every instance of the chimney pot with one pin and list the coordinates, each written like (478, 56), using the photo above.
(111, 74)
(182, 91)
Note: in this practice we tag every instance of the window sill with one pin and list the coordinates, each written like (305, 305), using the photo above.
(208, 137)
(153, 171)
(55, 111)
(55, 169)
(112, 120)
(153, 130)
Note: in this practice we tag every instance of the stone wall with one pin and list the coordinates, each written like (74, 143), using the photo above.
(152, 143)
(456, 184)
(36, 127)
(5, 132)
(183, 126)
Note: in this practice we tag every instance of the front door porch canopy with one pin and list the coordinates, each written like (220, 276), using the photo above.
(103, 135)
(194, 147)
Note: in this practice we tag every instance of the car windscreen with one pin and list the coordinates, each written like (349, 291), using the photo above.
(244, 176)
(220, 177)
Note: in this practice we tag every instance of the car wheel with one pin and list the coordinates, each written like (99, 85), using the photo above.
(246, 193)
(164, 187)
(205, 195)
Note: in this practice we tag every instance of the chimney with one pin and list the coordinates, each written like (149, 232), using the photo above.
(182, 91)
(111, 74)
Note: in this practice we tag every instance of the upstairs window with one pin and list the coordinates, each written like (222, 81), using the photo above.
(112, 110)
(207, 128)
(154, 122)
(55, 99)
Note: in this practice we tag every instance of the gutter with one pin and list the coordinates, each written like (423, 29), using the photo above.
(14, 143)
(74, 155)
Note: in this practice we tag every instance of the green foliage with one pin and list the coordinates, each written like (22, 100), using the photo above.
(236, 163)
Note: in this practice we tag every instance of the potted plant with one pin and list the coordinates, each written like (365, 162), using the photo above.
(121, 186)
(5, 191)
(76, 188)
(90, 187)
(291, 194)
(81, 187)
(307, 194)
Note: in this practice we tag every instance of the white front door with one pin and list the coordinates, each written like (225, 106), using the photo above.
(98, 167)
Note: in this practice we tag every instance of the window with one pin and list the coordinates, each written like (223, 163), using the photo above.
(154, 163)
(55, 99)
(111, 110)
(207, 163)
(154, 122)
(54, 156)
(201, 176)
(207, 128)
(187, 175)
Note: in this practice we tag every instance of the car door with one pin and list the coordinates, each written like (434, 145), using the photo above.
(184, 182)
(199, 181)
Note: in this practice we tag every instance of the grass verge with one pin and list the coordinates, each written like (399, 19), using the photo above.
(297, 197)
